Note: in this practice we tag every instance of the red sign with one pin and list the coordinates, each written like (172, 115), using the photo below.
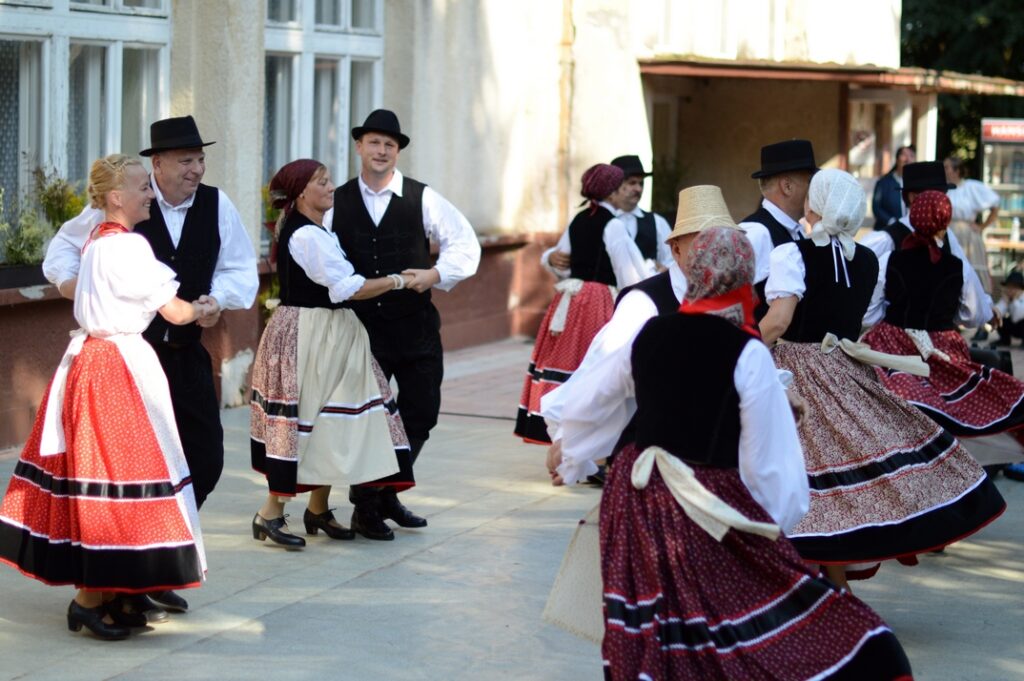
(1002, 130)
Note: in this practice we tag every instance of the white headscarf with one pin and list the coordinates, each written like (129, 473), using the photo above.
(838, 198)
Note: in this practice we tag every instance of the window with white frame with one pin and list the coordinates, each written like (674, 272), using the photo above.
(323, 76)
(78, 79)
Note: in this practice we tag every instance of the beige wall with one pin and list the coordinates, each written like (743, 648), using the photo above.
(723, 123)
(217, 77)
(817, 31)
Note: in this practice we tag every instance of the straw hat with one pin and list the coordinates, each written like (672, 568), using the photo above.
(701, 206)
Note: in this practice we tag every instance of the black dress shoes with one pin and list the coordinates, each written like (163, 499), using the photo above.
(263, 528)
(315, 522)
(123, 614)
(168, 600)
(92, 619)
(393, 509)
(366, 521)
(140, 604)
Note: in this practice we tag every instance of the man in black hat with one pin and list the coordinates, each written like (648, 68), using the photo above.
(975, 303)
(647, 230)
(195, 230)
(784, 177)
(385, 223)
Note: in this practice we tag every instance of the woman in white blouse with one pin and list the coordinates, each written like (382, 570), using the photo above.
(971, 198)
(322, 411)
(105, 433)
(886, 482)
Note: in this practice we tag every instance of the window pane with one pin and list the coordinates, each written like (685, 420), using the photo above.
(281, 11)
(277, 126)
(325, 115)
(97, 3)
(146, 4)
(140, 96)
(360, 102)
(20, 114)
(364, 14)
(86, 108)
(327, 13)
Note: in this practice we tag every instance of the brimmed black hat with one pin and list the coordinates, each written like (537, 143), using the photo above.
(783, 157)
(1014, 278)
(919, 177)
(630, 166)
(383, 121)
(174, 133)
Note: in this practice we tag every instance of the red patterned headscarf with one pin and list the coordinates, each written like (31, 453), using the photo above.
(929, 214)
(719, 273)
(290, 181)
(599, 181)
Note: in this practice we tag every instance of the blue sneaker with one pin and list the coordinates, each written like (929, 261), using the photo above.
(1015, 471)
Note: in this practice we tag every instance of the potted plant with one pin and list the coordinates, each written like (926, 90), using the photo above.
(23, 243)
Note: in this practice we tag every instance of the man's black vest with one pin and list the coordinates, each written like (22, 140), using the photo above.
(647, 236)
(397, 243)
(828, 305)
(193, 261)
(922, 294)
(779, 235)
(297, 289)
(898, 231)
(588, 258)
(701, 424)
(659, 289)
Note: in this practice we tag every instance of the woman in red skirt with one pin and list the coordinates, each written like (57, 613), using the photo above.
(101, 496)
(602, 258)
(699, 582)
(923, 283)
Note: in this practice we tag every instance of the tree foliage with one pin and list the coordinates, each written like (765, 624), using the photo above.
(974, 36)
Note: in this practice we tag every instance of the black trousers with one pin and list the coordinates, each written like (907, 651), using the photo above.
(189, 373)
(409, 349)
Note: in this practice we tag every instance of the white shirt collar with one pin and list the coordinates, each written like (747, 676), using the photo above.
(161, 201)
(678, 280)
(394, 186)
(611, 209)
(637, 212)
(789, 223)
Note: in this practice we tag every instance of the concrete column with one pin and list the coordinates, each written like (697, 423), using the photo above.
(927, 126)
(217, 67)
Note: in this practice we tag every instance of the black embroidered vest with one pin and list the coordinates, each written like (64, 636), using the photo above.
(829, 306)
(923, 295)
(397, 243)
(194, 260)
(588, 259)
(687, 404)
(898, 231)
(779, 235)
(647, 236)
(659, 289)
(297, 289)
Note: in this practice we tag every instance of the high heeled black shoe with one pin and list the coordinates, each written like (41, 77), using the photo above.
(263, 528)
(92, 619)
(119, 611)
(315, 522)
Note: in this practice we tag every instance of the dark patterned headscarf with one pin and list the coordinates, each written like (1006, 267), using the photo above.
(929, 214)
(719, 273)
(290, 181)
(599, 181)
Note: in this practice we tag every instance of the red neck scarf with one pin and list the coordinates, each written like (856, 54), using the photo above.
(105, 229)
(736, 306)
(914, 239)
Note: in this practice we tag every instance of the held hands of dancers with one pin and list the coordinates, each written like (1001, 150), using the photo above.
(207, 311)
(559, 260)
(422, 280)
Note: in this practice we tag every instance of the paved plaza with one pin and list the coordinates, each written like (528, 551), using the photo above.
(462, 599)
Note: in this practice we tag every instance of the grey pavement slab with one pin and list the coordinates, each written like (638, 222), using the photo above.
(462, 599)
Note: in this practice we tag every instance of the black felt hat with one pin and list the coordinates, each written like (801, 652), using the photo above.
(174, 133)
(630, 166)
(1014, 278)
(783, 157)
(383, 121)
(919, 177)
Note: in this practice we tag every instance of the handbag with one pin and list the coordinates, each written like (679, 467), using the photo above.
(577, 596)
